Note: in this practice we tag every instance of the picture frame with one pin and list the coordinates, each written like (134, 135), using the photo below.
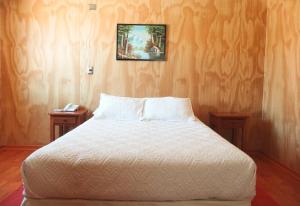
(141, 42)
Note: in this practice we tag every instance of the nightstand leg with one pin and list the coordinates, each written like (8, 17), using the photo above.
(238, 138)
(234, 142)
(217, 129)
(242, 139)
(52, 131)
(61, 130)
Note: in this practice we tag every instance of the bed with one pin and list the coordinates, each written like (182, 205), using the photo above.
(141, 161)
(109, 162)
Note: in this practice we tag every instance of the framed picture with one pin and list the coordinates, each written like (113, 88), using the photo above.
(141, 42)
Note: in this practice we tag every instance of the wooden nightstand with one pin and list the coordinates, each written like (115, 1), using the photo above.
(227, 120)
(65, 121)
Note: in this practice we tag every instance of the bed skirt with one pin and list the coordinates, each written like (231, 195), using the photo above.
(64, 202)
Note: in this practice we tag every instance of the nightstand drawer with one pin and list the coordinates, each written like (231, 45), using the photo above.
(234, 123)
(65, 120)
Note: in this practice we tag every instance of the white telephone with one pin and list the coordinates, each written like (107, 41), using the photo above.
(70, 107)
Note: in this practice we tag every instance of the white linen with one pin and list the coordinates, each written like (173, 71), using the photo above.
(168, 108)
(72, 202)
(119, 108)
(143, 161)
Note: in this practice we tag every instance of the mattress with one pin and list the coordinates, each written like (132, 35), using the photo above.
(76, 202)
(140, 161)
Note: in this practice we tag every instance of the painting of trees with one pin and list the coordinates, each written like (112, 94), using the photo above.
(141, 42)
(123, 32)
(157, 34)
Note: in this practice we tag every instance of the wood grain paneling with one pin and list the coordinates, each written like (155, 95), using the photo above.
(41, 53)
(281, 102)
(215, 56)
(1, 65)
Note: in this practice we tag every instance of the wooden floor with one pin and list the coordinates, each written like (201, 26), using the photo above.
(279, 182)
(10, 162)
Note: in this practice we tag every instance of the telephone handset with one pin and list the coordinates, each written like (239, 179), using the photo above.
(71, 107)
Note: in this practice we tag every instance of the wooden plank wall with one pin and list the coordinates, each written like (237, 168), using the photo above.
(281, 102)
(1, 60)
(215, 56)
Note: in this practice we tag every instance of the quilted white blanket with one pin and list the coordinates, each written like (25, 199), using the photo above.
(143, 161)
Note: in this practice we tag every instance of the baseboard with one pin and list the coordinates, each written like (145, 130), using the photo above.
(22, 147)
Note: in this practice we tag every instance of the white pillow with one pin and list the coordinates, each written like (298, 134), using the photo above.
(119, 108)
(168, 108)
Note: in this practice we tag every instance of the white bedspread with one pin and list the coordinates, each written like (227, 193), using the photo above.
(144, 161)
